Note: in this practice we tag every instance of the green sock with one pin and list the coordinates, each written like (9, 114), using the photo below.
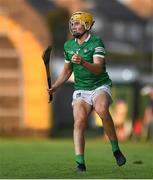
(80, 158)
(114, 144)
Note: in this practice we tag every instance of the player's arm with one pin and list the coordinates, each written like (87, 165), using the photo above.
(63, 77)
(148, 114)
(96, 67)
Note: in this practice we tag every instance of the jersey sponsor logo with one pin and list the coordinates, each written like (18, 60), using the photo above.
(74, 52)
(77, 51)
(71, 52)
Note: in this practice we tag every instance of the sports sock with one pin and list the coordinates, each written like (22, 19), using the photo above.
(80, 158)
(114, 144)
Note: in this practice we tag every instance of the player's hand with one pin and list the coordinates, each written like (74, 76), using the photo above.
(77, 59)
(52, 90)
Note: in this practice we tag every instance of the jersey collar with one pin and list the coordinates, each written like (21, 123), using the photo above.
(85, 39)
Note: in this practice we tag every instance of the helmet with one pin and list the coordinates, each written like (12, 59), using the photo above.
(85, 19)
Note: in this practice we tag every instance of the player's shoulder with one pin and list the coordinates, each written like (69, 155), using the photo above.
(97, 39)
(69, 43)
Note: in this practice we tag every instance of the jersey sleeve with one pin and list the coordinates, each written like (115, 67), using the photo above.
(66, 57)
(99, 49)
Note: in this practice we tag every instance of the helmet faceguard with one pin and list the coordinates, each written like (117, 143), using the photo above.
(84, 18)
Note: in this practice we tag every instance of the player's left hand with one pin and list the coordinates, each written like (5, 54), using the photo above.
(77, 59)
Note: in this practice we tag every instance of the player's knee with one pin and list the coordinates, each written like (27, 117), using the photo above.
(102, 111)
(79, 124)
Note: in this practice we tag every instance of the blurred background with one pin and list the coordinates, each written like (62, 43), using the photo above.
(27, 27)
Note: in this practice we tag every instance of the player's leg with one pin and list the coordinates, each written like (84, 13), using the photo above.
(101, 106)
(81, 110)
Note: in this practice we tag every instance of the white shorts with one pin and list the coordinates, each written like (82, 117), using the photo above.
(89, 96)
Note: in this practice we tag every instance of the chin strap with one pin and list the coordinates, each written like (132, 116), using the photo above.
(78, 36)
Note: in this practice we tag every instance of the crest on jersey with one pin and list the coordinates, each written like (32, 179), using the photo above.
(85, 50)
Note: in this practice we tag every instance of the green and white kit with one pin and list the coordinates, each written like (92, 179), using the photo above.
(83, 78)
(87, 84)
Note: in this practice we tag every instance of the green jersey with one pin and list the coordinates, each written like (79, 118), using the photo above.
(84, 79)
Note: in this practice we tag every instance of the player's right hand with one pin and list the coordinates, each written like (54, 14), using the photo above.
(51, 90)
(77, 59)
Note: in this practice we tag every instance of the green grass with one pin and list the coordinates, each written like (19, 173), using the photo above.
(55, 159)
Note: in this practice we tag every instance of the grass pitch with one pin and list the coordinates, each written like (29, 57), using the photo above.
(55, 159)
